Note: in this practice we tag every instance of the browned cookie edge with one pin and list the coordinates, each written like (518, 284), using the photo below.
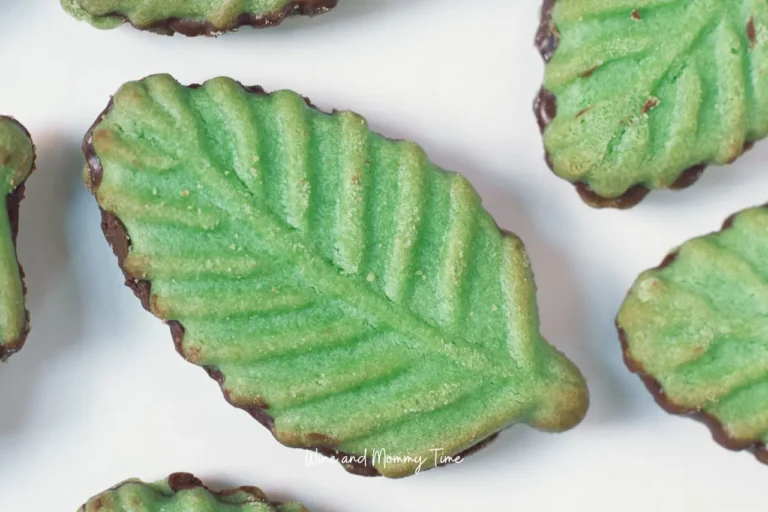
(755, 446)
(545, 109)
(183, 481)
(12, 204)
(117, 237)
(194, 28)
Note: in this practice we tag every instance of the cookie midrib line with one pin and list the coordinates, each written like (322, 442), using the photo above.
(548, 42)
(484, 360)
(706, 28)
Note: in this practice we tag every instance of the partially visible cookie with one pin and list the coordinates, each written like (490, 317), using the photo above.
(182, 492)
(192, 17)
(696, 330)
(352, 296)
(640, 96)
(17, 161)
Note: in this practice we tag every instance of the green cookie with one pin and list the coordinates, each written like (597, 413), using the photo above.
(17, 161)
(696, 330)
(192, 17)
(344, 290)
(182, 492)
(643, 94)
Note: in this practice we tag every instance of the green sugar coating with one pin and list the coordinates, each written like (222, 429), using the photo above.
(699, 326)
(335, 276)
(648, 88)
(221, 15)
(182, 492)
(17, 159)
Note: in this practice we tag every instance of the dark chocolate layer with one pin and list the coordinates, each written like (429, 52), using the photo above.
(12, 203)
(755, 446)
(118, 239)
(545, 108)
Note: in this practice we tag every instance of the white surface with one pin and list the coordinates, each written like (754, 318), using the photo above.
(99, 395)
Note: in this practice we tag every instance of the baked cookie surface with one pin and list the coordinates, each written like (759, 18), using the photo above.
(192, 17)
(17, 161)
(643, 95)
(345, 291)
(182, 492)
(696, 330)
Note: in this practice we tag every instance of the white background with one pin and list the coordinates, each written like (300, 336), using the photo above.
(99, 395)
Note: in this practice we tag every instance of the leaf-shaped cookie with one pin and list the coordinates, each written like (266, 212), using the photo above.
(344, 290)
(182, 492)
(696, 330)
(17, 160)
(192, 17)
(643, 94)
